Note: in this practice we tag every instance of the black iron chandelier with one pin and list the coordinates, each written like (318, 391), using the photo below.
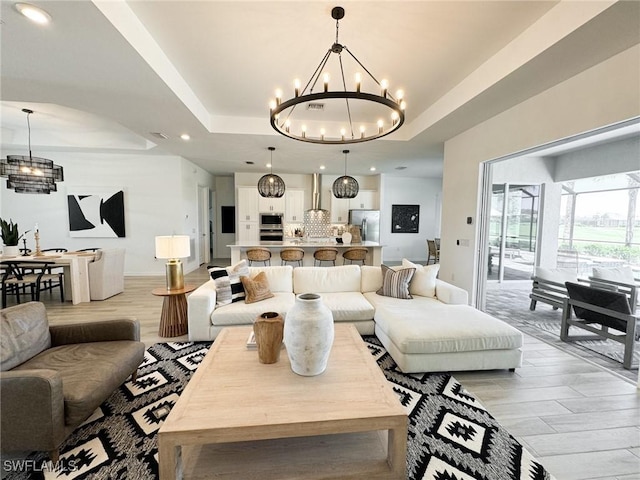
(30, 174)
(270, 185)
(354, 115)
(345, 186)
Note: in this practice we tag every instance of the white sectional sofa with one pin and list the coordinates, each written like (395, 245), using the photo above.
(434, 331)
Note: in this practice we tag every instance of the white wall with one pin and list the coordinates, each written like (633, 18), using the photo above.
(409, 191)
(224, 196)
(602, 95)
(160, 196)
(615, 157)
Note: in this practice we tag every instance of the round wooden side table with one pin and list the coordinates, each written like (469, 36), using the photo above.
(173, 320)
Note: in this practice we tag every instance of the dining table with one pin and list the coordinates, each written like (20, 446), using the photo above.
(75, 266)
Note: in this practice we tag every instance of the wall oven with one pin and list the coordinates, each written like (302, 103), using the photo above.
(271, 235)
(271, 221)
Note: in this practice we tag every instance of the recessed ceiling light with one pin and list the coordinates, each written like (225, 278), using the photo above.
(372, 169)
(185, 136)
(268, 165)
(33, 13)
(322, 167)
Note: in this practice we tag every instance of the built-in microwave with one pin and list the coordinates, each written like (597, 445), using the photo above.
(271, 220)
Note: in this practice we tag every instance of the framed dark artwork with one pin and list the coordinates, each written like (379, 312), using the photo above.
(228, 219)
(405, 218)
(96, 213)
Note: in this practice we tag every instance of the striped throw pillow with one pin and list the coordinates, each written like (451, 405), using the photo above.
(396, 283)
(229, 287)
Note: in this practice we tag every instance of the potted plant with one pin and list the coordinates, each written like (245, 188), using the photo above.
(10, 236)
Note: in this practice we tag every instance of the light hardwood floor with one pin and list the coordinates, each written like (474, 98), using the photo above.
(579, 419)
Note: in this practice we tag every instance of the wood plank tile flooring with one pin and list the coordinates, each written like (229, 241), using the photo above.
(579, 419)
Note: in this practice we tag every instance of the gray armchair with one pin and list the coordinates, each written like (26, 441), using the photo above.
(52, 378)
(605, 313)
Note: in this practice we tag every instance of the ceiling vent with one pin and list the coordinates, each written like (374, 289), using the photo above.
(315, 106)
(159, 135)
(401, 168)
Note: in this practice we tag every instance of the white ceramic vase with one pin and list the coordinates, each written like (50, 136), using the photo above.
(11, 251)
(308, 335)
(346, 238)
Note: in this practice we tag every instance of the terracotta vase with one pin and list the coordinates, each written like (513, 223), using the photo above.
(268, 329)
(308, 335)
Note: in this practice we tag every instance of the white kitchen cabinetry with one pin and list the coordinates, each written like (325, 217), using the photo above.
(339, 209)
(270, 205)
(294, 206)
(248, 232)
(248, 204)
(365, 200)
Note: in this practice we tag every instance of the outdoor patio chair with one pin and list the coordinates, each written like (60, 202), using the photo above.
(600, 311)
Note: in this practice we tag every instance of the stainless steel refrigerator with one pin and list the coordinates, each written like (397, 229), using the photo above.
(369, 223)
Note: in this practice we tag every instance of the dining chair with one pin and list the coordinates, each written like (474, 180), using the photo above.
(54, 270)
(18, 276)
(433, 251)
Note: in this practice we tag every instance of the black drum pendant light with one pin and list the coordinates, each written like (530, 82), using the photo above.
(270, 185)
(345, 186)
(29, 174)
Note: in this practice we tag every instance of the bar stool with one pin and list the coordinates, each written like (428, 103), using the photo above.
(259, 255)
(291, 254)
(355, 254)
(325, 254)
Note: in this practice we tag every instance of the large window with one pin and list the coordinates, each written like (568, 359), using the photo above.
(599, 223)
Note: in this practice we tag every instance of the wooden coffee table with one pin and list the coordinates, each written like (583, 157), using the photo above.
(238, 418)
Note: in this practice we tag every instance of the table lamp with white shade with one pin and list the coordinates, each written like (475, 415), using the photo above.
(173, 247)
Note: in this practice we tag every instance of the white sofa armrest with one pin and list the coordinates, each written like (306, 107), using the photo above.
(450, 294)
(200, 305)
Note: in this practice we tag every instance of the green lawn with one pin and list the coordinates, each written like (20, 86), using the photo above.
(603, 234)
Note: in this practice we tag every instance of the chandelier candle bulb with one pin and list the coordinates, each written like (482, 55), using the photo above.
(296, 87)
(385, 86)
(325, 79)
(380, 125)
(358, 82)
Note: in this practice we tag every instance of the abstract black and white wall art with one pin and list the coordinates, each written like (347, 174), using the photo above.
(405, 218)
(97, 212)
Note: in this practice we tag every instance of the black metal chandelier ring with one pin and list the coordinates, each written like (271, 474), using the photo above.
(332, 95)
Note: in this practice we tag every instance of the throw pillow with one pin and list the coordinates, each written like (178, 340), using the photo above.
(229, 287)
(396, 283)
(256, 288)
(423, 282)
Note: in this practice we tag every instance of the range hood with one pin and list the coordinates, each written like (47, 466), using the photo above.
(315, 193)
(316, 220)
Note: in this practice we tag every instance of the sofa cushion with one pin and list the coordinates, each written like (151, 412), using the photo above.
(396, 283)
(615, 274)
(348, 306)
(280, 278)
(558, 275)
(256, 289)
(25, 333)
(241, 313)
(90, 372)
(344, 278)
(229, 287)
(423, 326)
(423, 282)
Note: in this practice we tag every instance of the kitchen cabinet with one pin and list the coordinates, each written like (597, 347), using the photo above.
(248, 232)
(270, 205)
(365, 200)
(294, 206)
(339, 209)
(247, 205)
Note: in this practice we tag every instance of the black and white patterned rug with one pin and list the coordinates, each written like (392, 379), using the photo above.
(451, 435)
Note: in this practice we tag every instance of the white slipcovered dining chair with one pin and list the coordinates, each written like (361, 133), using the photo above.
(106, 273)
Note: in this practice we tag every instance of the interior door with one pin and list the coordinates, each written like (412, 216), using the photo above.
(203, 224)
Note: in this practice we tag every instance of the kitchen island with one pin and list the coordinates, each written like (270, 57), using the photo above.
(239, 250)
